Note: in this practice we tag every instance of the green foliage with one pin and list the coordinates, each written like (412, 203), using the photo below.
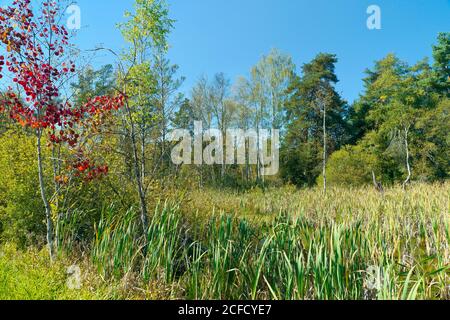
(404, 117)
(351, 166)
(21, 210)
(441, 55)
(92, 83)
(149, 22)
(29, 275)
(311, 95)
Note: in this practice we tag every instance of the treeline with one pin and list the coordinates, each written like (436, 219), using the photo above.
(396, 132)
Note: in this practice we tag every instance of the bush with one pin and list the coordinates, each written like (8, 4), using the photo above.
(351, 166)
(21, 210)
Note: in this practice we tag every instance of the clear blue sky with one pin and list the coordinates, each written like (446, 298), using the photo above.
(231, 35)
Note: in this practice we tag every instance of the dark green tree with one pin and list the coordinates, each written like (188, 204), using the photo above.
(441, 56)
(316, 121)
(92, 83)
(400, 123)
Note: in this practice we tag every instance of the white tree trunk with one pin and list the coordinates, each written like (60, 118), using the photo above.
(408, 165)
(48, 212)
(138, 174)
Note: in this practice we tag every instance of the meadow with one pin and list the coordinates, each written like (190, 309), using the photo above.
(279, 243)
(119, 177)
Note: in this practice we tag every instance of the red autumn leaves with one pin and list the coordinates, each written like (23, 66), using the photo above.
(38, 66)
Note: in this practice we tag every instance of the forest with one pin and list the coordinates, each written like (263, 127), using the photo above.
(92, 205)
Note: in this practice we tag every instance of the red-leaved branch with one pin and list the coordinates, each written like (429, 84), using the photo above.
(37, 60)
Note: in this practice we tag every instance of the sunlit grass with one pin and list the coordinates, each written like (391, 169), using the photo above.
(278, 244)
(290, 244)
(29, 275)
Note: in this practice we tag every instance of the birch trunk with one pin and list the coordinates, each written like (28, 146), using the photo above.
(48, 212)
(408, 165)
(138, 174)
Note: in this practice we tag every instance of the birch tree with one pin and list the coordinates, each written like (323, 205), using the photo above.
(145, 31)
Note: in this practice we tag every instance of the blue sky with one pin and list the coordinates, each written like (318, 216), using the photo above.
(231, 35)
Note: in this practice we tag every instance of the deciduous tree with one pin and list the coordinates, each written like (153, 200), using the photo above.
(39, 65)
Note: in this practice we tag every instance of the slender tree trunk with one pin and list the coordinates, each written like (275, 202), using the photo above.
(222, 129)
(164, 101)
(143, 162)
(377, 184)
(56, 171)
(408, 165)
(247, 161)
(324, 165)
(48, 212)
(163, 145)
(258, 158)
(138, 174)
(258, 147)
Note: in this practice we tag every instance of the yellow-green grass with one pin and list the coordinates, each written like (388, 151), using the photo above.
(274, 244)
(289, 244)
(29, 275)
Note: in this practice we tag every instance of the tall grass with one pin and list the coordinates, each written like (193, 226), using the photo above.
(29, 275)
(115, 248)
(288, 244)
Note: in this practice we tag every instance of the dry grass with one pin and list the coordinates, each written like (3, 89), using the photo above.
(278, 244)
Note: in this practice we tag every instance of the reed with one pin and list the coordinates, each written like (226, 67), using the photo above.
(351, 244)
